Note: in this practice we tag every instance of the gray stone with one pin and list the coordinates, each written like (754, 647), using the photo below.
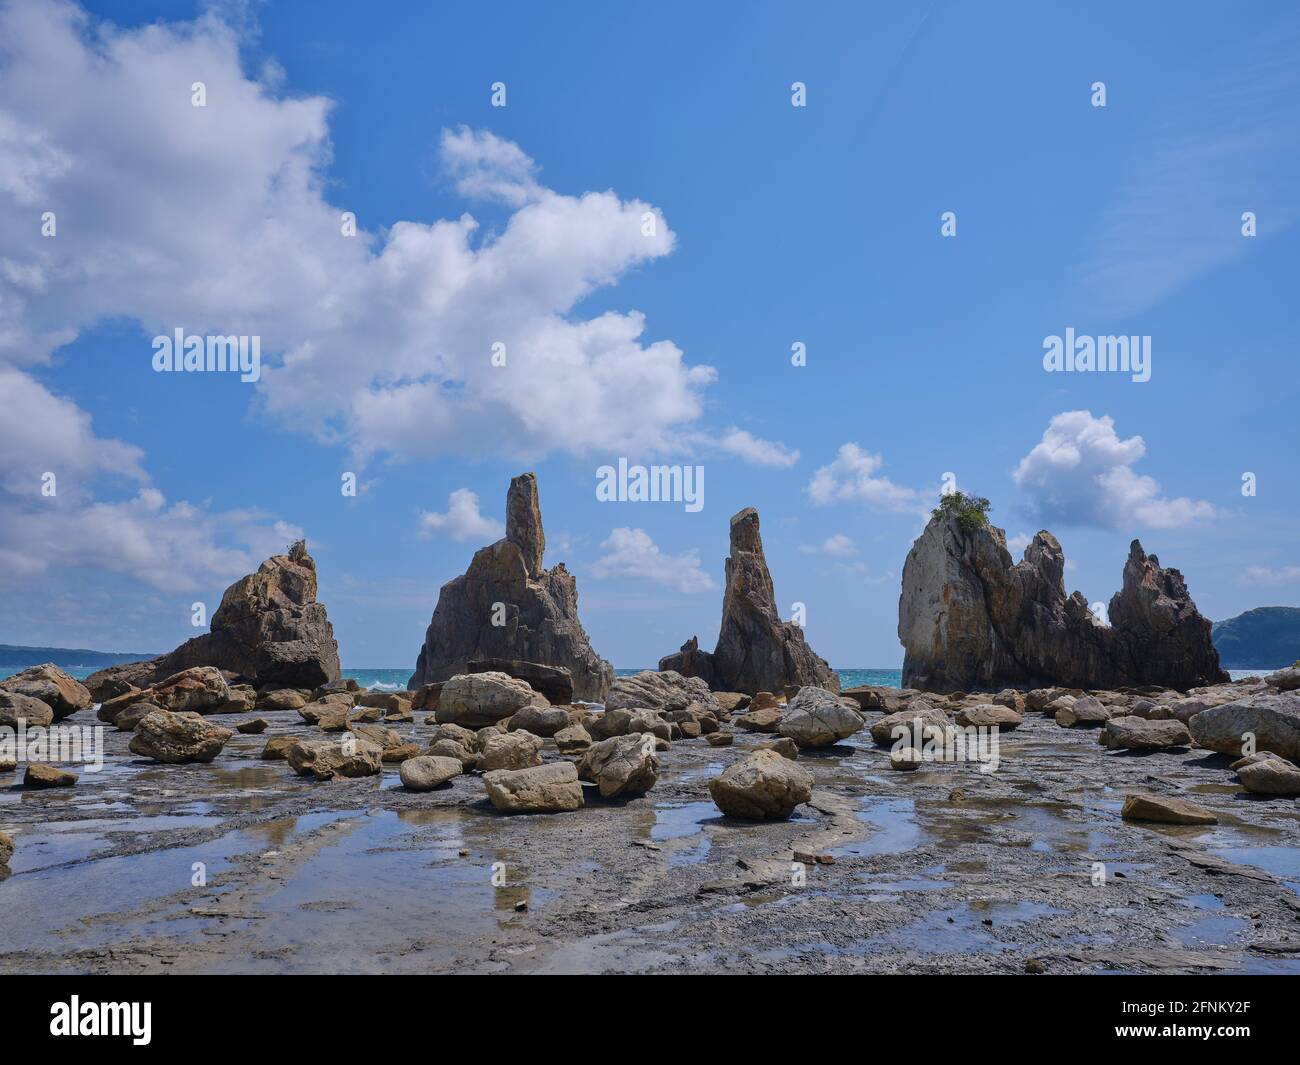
(819, 718)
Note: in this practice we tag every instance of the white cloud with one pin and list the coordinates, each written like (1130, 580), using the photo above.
(1081, 473)
(836, 546)
(462, 521)
(215, 219)
(631, 553)
(1271, 575)
(854, 476)
(172, 547)
(1017, 544)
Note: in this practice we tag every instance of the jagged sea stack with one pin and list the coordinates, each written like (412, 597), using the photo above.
(969, 619)
(539, 607)
(269, 630)
(756, 650)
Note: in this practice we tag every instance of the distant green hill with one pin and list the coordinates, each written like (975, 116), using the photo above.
(1263, 638)
(16, 658)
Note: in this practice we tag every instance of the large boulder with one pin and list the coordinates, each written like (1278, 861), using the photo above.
(756, 650)
(476, 700)
(509, 750)
(661, 692)
(269, 629)
(201, 690)
(1140, 734)
(1273, 720)
(16, 707)
(55, 688)
(426, 772)
(969, 619)
(329, 759)
(178, 738)
(543, 789)
(555, 682)
(762, 787)
(540, 609)
(818, 718)
(622, 765)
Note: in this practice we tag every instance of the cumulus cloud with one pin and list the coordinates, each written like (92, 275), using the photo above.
(216, 219)
(1081, 473)
(836, 546)
(462, 521)
(631, 553)
(854, 475)
(176, 546)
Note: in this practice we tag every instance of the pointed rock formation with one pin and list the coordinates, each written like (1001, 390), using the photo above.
(538, 607)
(969, 619)
(269, 629)
(756, 650)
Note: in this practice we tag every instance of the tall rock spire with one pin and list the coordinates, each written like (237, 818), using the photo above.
(756, 650)
(524, 522)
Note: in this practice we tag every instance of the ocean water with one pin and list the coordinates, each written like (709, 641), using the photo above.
(392, 680)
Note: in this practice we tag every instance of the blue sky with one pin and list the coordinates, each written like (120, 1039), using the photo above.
(774, 225)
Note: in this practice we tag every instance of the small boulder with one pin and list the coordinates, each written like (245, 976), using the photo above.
(426, 772)
(720, 739)
(178, 738)
(281, 699)
(761, 719)
(1286, 680)
(1273, 720)
(816, 717)
(906, 759)
(622, 765)
(1087, 711)
(253, 727)
(1138, 734)
(920, 720)
(540, 720)
(989, 715)
(1165, 810)
(201, 690)
(329, 759)
(47, 776)
(572, 740)
(1270, 776)
(550, 788)
(784, 746)
(277, 747)
(6, 852)
(509, 750)
(128, 718)
(762, 787)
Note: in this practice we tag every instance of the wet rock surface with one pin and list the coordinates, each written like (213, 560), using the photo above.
(921, 861)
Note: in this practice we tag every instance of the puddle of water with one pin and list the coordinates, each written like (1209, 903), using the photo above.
(893, 824)
(1215, 930)
(682, 821)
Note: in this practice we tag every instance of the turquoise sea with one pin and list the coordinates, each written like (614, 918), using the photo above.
(395, 679)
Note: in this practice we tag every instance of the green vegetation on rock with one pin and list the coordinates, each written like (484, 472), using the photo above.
(971, 511)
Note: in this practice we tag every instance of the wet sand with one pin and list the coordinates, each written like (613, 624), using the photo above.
(363, 876)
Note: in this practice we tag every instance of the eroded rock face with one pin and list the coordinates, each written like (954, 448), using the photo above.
(969, 619)
(540, 609)
(756, 650)
(661, 692)
(269, 629)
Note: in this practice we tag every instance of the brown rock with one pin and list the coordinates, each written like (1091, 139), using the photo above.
(55, 688)
(1166, 810)
(47, 776)
(178, 738)
(762, 787)
(550, 788)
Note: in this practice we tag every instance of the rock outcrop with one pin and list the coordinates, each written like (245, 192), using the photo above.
(269, 629)
(55, 688)
(756, 650)
(970, 620)
(507, 607)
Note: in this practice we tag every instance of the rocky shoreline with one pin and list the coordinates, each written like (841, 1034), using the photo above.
(780, 825)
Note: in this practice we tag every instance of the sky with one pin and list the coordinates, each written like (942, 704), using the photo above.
(650, 231)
